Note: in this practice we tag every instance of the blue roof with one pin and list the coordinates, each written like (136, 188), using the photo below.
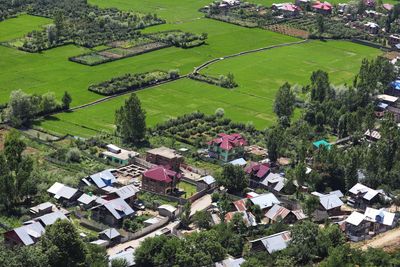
(382, 105)
(323, 143)
(395, 84)
(103, 179)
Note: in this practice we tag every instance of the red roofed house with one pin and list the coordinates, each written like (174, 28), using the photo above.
(160, 180)
(322, 8)
(227, 147)
(257, 172)
(287, 9)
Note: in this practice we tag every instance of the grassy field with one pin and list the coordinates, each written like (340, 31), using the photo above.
(189, 189)
(258, 78)
(18, 27)
(51, 70)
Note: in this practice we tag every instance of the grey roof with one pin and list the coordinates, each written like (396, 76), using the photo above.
(41, 207)
(208, 179)
(238, 162)
(265, 200)
(111, 233)
(60, 190)
(127, 191)
(167, 207)
(230, 262)
(368, 193)
(86, 199)
(103, 179)
(274, 178)
(28, 233)
(118, 208)
(51, 218)
(275, 242)
(127, 255)
(330, 201)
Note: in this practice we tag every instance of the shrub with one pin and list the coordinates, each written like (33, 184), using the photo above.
(73, 155)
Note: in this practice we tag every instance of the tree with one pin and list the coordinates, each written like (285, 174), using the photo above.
(130, 120)
(284, 101)
(66, 100)
(274, 141)
(233, 178)
(320, 87)
(321, 25)
(185, 215)
(20, 110)
(48, 103)
(311, 203)
(303, 246)
(62, 245)
(119, 263)
(202, 219)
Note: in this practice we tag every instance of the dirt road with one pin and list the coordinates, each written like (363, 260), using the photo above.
(387, 241)
(201, 204)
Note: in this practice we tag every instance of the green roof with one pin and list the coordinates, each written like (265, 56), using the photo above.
(323, 143)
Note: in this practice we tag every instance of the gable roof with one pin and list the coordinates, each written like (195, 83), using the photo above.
(275, 179)
(60, 190)
(127, 191)
(111, 233)
(240, 204)
(168, 207)
(380, 216)
(330, 201)
(118, 208)
(208, 179)
(265, 200)
(41, 207)
(127, 255)
(161, 174)
(29, 233)
(322, 6)
(51, 218)
(355, 218)
(275, 242)
(228, 141)
(257, 169)
(277, 212)
(323, 143)
(86, 199)
(248, 218)
(368, 193)
(238, 162)
(103, 178)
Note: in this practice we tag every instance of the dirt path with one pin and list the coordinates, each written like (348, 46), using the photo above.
(387, 241)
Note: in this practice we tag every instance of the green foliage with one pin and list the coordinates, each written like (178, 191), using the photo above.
(284, 101)
(130, 121)
(66, 100)
(233, 178)
(202, 219)
(185, 215)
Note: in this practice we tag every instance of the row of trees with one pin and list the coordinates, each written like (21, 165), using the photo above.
(22, 108)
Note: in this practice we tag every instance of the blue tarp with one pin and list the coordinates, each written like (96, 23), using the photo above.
(395, 84)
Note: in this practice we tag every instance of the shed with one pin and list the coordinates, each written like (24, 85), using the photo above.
(167, 211)
(322, 143)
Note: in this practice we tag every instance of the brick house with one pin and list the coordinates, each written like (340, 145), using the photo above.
(227, 147)
(160, 180)
(166, 157)
(257, 173)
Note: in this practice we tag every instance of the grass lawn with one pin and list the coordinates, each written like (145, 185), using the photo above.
(21, 25)
(258, 77)
(189, 189)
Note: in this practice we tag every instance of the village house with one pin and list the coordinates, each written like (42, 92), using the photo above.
(256, 152)
(166, 157)
(31, 231)
(248, 218)
(372, 135)
(112, 212)
(331, 202)
(160, 180)
(272, 243)
(103, 181)
(287, 9)
(227, 147)
(394, 39)
(126, 256)
(322, 143)
(167, 211)
(274, 182)
(25, 235)
(230, 262)
(323, 8)
(42, 209)
(360, 226)
(265, 201)
(257, 173)
(127, 193)
(65, 195)
(111, 235)
(371, 27)
(118, 155)
(361, 196)
(87, 201)
(280, 213)
(206, 182)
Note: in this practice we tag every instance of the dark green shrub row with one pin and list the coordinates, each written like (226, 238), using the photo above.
(130, 82)
(222, 81)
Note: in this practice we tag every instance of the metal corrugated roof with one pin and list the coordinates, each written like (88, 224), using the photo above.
(51, 218)
(28, 233)
(118, 208)
(111, 233)
(265, 200)
(275, 242)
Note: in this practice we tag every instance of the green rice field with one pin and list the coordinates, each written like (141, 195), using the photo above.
(259, 75)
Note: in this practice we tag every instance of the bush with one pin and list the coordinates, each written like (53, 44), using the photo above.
(73, 155)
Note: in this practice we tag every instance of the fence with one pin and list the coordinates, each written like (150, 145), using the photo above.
(92, 225)
(145, 231)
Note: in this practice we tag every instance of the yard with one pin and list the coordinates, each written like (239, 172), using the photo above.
(189, 188)
(18, 27)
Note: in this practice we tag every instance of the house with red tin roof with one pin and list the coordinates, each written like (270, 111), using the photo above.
(227, 147)
(160, 180)
(322, 8)
(287, 9)
(257, 172)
